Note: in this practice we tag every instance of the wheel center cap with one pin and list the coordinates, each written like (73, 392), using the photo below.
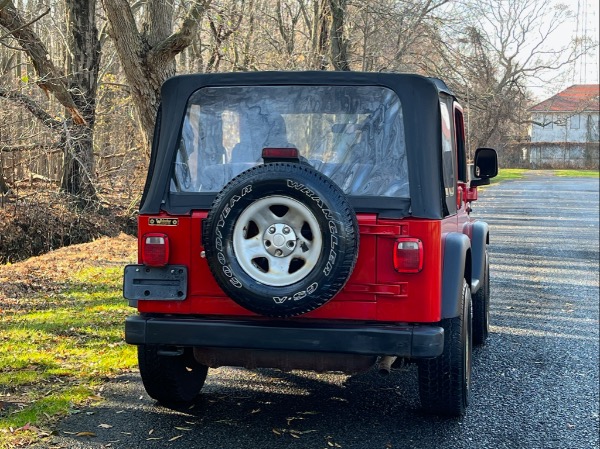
(279, 240)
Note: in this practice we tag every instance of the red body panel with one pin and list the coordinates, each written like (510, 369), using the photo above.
(374, 292)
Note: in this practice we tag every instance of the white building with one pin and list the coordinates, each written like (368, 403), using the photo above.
(565, 129)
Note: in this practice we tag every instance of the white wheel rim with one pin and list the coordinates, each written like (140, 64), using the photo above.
(277, 249)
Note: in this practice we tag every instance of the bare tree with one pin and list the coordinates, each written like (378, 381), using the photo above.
(147, 55)
(392, 35)
(493, 53)
(223, 22)
(75, 89)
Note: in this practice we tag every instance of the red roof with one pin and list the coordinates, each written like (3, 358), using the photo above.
(581, 97)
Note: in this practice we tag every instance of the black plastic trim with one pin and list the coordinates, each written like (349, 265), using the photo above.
(405, 340)
(387, 207)
(168, 283)
(456, 247)
(479, 241)
(153, 154)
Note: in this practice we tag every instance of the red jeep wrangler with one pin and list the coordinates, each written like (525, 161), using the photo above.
(310, 220)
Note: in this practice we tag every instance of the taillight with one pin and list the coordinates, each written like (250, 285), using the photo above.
(155, 250)
(408, 255)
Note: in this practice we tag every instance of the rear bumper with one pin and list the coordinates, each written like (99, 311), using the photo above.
(413, 341)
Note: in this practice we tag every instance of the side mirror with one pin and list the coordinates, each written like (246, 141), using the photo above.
(485, 166)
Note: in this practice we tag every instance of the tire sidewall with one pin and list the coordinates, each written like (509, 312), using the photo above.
(466, 342)
(481, 307)
(170, 379)
(321, 197)
(486, 298)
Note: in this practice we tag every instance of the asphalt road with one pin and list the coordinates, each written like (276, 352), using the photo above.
(535, 384)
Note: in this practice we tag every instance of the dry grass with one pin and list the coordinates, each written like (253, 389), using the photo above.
(52, 272)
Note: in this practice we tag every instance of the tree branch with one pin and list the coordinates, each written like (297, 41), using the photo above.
(56, 147)
(4, 36)
(32, 106)
(50, 78)
(182, 38)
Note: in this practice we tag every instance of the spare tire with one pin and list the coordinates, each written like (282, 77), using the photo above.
(281, 239)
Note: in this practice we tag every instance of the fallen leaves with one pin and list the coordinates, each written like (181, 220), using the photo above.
(85, 434)
(48, 273)
(151, 433)
(291, 432)
(30, 428)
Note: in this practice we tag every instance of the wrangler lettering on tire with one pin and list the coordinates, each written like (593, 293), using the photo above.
(281, 239)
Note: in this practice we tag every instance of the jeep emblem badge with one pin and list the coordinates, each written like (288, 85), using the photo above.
(155, 221)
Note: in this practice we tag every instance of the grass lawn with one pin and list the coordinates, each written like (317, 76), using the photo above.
(577, 173)
(59, 341)
(505, 174)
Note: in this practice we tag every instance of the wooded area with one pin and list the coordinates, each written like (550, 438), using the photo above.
(80, 79)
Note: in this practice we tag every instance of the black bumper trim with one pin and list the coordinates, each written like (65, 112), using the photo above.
(415, 341)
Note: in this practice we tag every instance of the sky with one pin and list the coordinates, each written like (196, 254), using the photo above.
(584, 71)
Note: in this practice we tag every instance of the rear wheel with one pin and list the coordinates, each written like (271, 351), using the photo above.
(481, 308)
(445, 381)
(171, 379)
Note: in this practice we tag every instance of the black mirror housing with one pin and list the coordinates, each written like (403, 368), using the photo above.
(486, 163)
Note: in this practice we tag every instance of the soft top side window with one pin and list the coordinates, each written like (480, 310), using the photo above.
(448, 158)
(461, 149)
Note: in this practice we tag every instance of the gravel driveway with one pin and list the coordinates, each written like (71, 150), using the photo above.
(535, 384)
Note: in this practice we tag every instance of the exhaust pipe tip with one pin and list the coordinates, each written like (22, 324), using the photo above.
(385, 364)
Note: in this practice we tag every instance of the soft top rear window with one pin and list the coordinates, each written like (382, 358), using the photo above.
(353, 134)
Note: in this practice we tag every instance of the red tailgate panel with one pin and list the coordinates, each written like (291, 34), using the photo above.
(374, 292)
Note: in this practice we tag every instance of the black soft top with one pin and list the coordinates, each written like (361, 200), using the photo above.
(420, 97)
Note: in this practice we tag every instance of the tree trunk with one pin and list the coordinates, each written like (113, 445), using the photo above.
(83, 62)
(148, 59)
(75, 89)
(3, 185)
(321, 33)
(339, 45)
(77, 177)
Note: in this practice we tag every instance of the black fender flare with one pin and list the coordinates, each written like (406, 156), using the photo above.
(480, 237)
(456, 266)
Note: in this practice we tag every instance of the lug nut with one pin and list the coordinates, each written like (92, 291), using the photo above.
(286, 230)
(272, 230)
(278, 252)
